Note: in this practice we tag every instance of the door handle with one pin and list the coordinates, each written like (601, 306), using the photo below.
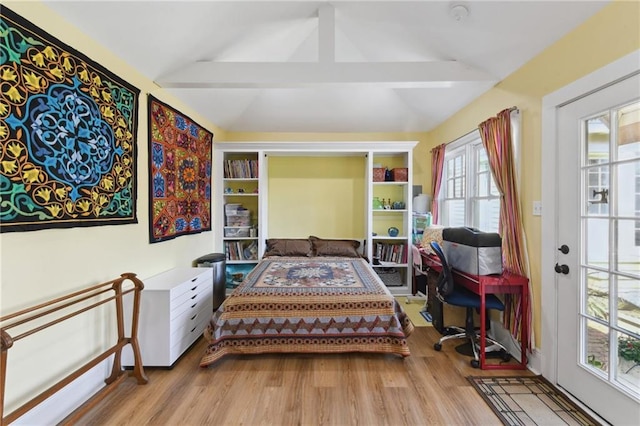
(562, 269)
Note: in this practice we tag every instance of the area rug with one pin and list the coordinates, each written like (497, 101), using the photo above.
(529, 401)
(414, 311)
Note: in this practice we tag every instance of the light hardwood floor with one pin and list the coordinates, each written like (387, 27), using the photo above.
(427, 388)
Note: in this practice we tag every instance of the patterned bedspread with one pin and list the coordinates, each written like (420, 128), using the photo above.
(308, 305)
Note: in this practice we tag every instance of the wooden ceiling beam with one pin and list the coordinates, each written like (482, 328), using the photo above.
(312, 74)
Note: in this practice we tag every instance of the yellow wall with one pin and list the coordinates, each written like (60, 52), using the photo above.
(607, 36)
(323, 196)
(39, 265)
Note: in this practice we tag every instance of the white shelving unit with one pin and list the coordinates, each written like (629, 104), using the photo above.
(390, 253)
(238, 235)
(394, 154)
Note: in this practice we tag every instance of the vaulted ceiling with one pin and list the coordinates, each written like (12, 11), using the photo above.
(317, 66)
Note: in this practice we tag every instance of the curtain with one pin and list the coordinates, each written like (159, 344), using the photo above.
(437, 163)
(496, 138)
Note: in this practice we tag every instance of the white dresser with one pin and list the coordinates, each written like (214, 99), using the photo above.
(175, 307)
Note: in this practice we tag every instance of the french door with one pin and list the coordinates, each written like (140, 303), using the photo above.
(598, 269)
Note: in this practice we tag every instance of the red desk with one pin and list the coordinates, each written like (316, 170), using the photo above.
(482, 285)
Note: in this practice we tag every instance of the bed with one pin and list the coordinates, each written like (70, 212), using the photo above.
(308, 301)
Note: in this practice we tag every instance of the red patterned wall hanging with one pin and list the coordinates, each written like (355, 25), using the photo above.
(179, 174)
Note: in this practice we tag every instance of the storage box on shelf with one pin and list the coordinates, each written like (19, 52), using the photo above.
(378, 174)
(239, 218)
(400, 174)
(237, 231)
(240, 240)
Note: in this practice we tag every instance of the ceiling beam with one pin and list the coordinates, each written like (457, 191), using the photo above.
(325, 72)
(326, 34)
(203, 75)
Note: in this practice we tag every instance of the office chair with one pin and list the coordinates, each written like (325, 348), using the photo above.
(449, 293)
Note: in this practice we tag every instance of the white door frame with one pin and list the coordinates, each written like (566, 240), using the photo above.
(617, 70)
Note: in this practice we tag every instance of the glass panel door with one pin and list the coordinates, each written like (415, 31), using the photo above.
(598, 326)
(610, 309)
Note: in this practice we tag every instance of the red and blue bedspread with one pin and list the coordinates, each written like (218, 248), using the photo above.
(308, 305)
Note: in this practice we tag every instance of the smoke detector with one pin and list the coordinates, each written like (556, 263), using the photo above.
(458, 12)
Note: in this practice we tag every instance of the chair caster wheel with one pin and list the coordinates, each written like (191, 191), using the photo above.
(475, 363)
(437, 346)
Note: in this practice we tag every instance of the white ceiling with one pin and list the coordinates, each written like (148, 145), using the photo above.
(315, 66)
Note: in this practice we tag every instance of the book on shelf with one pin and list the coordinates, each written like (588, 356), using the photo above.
(241, 169)
(391, 252)
(238, 250)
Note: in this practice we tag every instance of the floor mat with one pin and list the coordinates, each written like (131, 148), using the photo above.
(529, 401)
(413, 310)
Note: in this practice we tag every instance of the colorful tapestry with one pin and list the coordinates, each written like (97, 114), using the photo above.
(308, 305)
(179, 174)
(67, 135)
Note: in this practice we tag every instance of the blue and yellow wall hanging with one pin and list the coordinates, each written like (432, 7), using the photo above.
(179, 174)
(67, 135)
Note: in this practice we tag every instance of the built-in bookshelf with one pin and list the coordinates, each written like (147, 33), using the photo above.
(390, 224)
(241, 182)
(238, 217)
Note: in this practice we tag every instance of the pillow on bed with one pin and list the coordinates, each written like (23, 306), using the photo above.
(342, 248)
(288, 247)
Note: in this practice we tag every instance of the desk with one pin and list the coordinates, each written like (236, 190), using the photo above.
(482, 285)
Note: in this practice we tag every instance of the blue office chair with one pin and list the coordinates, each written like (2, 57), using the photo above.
(448, 292)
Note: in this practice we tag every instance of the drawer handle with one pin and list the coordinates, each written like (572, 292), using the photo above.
(194, 317)
(194, 305)
(193, 329)
(194, 296)
(194, 280)
(194, 288)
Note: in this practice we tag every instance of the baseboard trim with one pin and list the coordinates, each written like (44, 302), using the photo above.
(64, 402)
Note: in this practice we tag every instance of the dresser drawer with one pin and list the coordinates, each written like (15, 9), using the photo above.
(175, 306)
(193, 286)
(189, 317)
(181, 345)
(193, 296)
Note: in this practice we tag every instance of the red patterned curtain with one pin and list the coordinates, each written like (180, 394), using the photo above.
(496, 138)
(437, 163)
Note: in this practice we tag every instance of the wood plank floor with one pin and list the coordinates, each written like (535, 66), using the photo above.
(427, 388)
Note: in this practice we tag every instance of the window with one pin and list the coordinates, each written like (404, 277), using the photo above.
(468, 195)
